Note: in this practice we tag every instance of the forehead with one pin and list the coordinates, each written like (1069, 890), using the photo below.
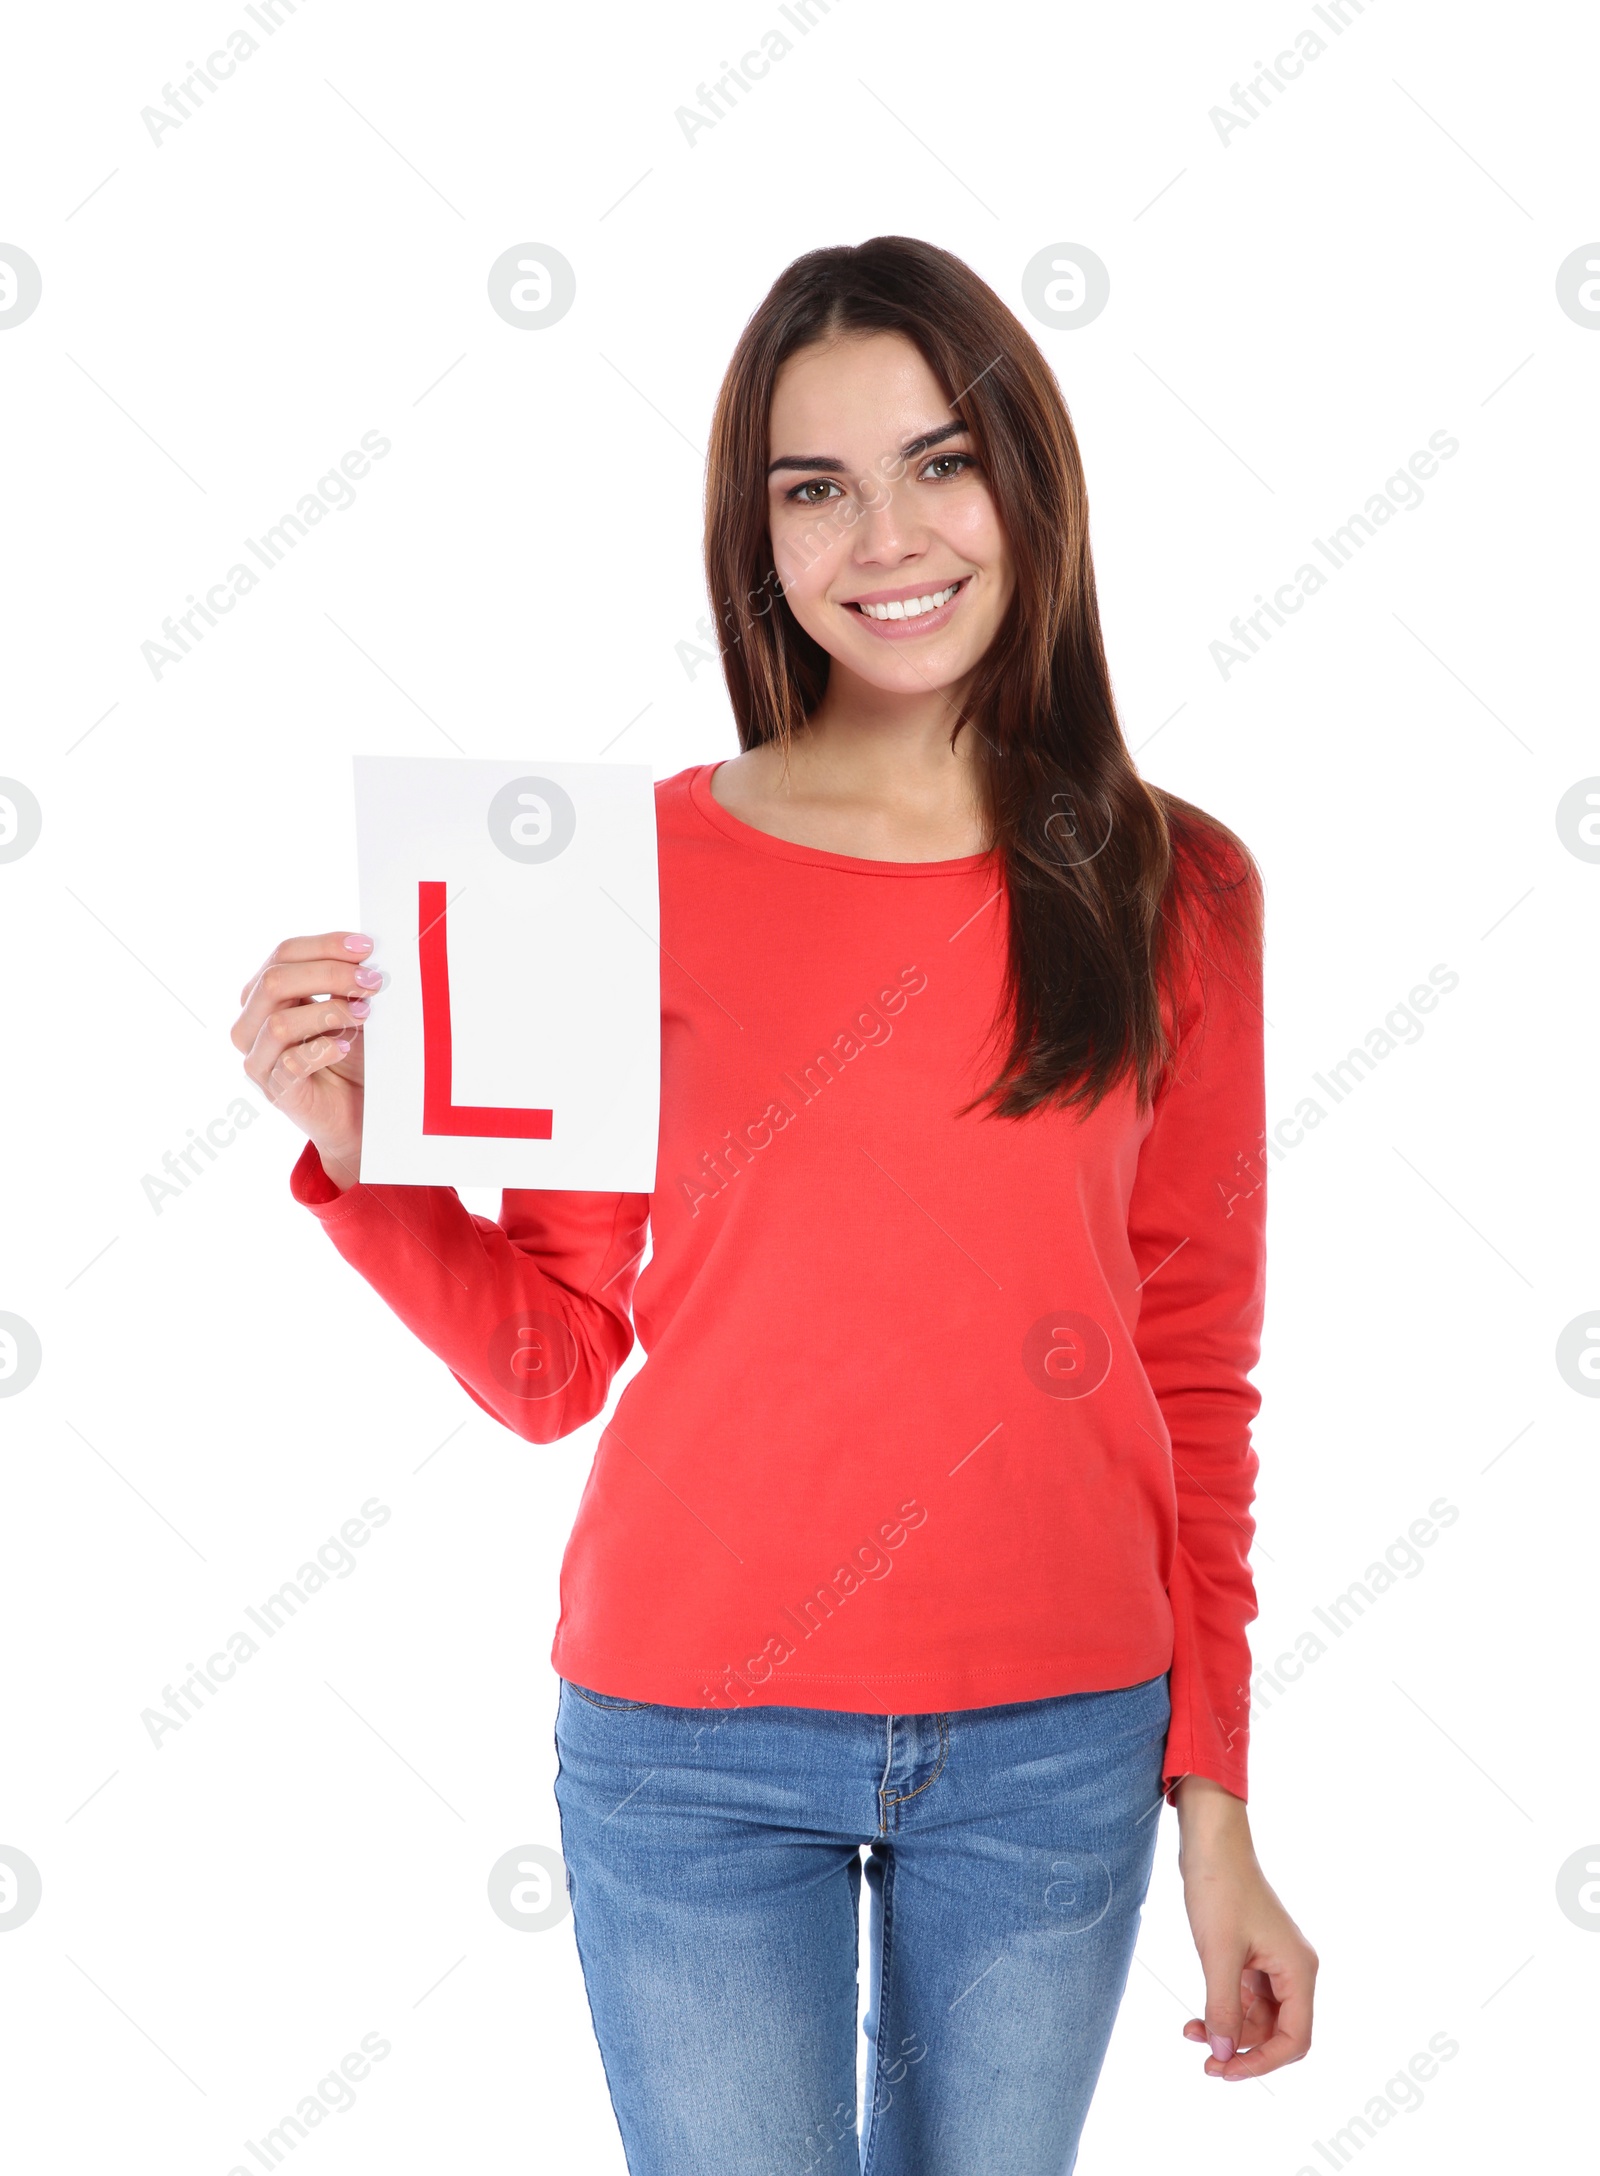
(852, 394)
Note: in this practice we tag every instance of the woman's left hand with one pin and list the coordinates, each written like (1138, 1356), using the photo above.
(1260, 1969)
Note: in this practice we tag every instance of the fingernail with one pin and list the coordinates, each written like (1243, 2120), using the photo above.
(360, 1007)
(343, 1049)
(1222, 2049)
(355, 943)
(369, 978)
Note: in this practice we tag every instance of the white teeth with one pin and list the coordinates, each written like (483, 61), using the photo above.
(911, 608)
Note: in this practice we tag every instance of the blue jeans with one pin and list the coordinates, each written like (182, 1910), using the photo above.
(714, 1866)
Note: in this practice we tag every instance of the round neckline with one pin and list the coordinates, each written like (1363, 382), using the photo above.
(818, 857)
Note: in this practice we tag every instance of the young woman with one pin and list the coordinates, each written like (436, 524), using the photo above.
(921, 1533)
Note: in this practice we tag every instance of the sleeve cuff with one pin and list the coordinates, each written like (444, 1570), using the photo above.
(1224, 1766)
(311, 1186)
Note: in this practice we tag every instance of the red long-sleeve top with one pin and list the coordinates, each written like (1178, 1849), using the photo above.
(938, 1411)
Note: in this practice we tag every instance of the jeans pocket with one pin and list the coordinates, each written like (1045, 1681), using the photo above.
(602, 1699)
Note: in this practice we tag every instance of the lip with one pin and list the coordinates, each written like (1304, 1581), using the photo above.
(908, 630)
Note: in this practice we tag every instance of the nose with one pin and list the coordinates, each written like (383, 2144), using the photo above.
(886, 531)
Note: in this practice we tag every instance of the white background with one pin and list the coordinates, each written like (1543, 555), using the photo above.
(1291, 315)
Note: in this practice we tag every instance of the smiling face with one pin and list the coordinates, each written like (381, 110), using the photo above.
(884, 534)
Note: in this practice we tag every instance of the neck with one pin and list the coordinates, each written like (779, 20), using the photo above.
(865, 744)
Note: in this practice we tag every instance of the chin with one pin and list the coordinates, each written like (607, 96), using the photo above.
(900, 676)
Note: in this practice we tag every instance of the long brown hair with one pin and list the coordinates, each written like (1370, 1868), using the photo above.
(1101, 869)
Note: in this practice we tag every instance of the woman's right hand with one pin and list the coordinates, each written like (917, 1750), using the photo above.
(300, 1032)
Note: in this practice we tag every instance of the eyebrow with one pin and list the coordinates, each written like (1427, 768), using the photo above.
(823, 463)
